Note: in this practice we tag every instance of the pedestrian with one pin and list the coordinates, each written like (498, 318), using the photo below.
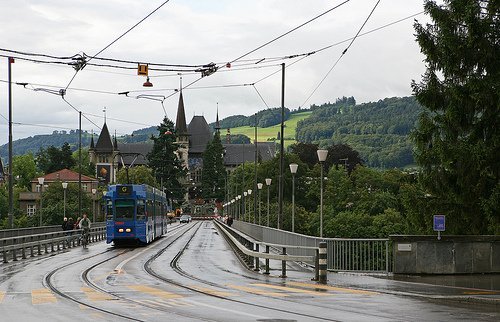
(229, 221)
(77, 223)
(65, 223)
(70, 224)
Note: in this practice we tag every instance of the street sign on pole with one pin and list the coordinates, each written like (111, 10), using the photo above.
(439, 224)
(142, 70)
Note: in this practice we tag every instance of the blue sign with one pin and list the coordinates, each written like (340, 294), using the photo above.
(439, 222)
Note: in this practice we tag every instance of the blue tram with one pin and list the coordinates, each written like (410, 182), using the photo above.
(135, 213)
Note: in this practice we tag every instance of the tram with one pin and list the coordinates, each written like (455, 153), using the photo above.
(135, 213)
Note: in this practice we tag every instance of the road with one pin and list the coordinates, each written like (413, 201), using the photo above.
(191, 274)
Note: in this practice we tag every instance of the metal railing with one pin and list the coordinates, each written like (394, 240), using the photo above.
(6, 233)
(15, 248)
(344, 254)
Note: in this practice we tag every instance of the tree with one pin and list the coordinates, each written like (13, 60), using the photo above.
(458, 138)
(88, 168)
(24, 170)
(137, 175)
(53, 203)
(167, 167)
(53, 159)
(213, 173)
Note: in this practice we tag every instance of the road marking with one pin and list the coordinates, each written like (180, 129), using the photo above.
(42, 296)
(330, 288)
(154, 291)
(289, 289)
(256, 291)
(211, 291)
(2, 295)
(94, 295)
(155, 303)
(477, 293)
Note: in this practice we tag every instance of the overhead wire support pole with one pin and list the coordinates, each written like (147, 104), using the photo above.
(80, 165)
(255, 176)
(11, 196)
(282, 148)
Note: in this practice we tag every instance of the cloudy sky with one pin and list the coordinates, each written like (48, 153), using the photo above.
(197, 32)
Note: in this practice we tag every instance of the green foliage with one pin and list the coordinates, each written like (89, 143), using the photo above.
(136, 175)
(378, 130)
(458, 138)
(213, 173)
(167, 168)
(88, 168)
(53, 159)
(265, 118)
(24, 170)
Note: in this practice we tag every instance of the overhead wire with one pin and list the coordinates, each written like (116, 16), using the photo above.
(342, 54)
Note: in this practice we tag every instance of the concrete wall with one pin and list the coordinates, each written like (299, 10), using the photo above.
(450, 255)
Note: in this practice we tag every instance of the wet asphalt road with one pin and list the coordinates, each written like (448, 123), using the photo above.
(192, 275)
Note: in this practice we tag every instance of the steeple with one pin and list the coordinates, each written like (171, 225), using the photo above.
(180, 123)
(115, 142)
(92, 141)
(217, 124)
(104, 143)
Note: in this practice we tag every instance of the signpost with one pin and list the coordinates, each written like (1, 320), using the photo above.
(439, 224)
(142, 70)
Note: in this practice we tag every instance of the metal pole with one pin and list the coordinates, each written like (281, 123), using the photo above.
(255, 175)
(321, 204)
(80, 165)
(267, 206)
(64, 212)
(282, 149)
(293, 202)
(41, 204)
(11, 193)
(260, 204)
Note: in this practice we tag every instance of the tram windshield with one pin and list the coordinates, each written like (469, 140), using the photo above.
(124, 209)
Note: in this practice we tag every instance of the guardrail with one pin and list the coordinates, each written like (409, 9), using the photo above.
(251, 248)
(14, 248)
(6, 233)
(344, 254)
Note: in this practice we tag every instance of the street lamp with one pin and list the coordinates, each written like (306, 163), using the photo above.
(40, 182)
(268, 183)
(249, 192)
(65, 186)
(321, 157)
(94, 190)
(293, 170)
(259, 187)
(244, 205)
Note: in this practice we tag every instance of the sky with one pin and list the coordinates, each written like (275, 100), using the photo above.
(197, 32)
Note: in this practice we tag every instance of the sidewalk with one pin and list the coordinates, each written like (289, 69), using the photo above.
(462, 288)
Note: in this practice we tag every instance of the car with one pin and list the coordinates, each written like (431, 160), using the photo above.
(185, 218)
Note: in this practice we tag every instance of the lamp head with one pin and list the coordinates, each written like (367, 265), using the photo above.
(259, 185)
(322, 154)
(268, 181)
(293, 168)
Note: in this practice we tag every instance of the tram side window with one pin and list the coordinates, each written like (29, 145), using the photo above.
(109, 210)
(124, 209)
(141, 210)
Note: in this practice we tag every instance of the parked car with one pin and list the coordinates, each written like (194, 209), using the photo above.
(185, 218)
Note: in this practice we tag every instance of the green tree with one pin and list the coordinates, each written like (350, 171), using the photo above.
(24, 170)
(53, 204)
(167, 167)
(53, 159)
(213, 173)
(458, 137)
(88, 168)
(137, 175)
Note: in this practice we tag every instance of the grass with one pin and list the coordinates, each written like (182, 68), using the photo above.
(270, 133)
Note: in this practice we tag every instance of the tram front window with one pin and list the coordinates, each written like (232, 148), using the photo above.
(124, 210)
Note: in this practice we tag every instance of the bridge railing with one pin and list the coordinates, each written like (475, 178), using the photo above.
(6, 233)
(19, 247)
(254, 250)
(343, 254)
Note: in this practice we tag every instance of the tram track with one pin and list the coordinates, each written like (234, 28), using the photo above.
(175, 266)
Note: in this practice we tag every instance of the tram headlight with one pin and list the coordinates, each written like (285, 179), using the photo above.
(128, 230)
(120, 230)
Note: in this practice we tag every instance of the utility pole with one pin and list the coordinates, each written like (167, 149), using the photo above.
(11, 194)
(80, 165)
(255, 179)
(282, 143)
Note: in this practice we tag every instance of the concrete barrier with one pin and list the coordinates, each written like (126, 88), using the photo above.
(450, 255)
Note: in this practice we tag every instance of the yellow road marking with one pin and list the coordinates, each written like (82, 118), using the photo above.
(2, 295)
(476, 293)
(256, 291)
(289, 289)
(331, 288)
(154, 291)
(94, 295)
(211, 291)
(42, 296)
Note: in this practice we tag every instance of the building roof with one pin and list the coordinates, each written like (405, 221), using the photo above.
(236, 154)
(200, 134)
(64, 175)
(180, 123)
(104, 143)
(130, 150)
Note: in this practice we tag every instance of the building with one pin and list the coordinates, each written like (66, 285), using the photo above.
(29, 202)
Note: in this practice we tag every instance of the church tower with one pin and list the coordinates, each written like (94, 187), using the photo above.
(103, 155)
(181, 131)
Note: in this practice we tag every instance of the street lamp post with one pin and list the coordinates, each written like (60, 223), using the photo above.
(293, 170)
(65, 186)
(268, 183)
(259, 187)
(322, 154)
(41, 180)
(238, 207)
(249, 192)
(244, 205)
(94, 190)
